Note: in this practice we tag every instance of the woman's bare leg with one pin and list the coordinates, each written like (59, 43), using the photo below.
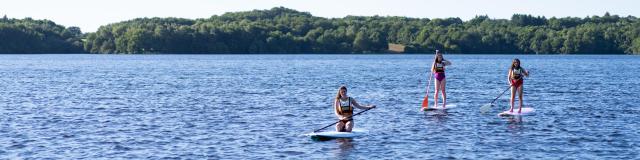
(349, 126)
(444, 93)
(435, 96)
(520, 97)
(513, 97)
(339, 126)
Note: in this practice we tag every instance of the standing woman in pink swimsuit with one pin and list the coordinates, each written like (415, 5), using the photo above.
(440, 83)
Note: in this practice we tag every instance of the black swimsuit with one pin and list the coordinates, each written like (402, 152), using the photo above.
(350, 110)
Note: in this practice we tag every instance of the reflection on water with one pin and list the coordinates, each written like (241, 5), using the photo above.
(514, 124)
(345, 146)
(438, 116)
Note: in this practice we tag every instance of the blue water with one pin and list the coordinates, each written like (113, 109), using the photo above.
(259, 106)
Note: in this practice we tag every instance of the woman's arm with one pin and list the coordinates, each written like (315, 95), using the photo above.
(335, 109)
(433, 67)
(355, 104)
(446, 62)
(526, 72)
(509, 77)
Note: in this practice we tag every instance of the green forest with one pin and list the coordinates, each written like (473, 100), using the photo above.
(283, 30)
(38, 36)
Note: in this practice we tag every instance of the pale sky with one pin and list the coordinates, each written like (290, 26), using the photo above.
(91, 14)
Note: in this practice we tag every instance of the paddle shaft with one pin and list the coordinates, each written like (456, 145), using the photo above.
(425, 102)
(500, 95)
(339, 120)
(429, 83)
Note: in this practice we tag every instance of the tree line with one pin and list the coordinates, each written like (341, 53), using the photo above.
(38, 36)
(283, 30)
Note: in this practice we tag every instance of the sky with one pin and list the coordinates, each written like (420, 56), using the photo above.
(91, 14)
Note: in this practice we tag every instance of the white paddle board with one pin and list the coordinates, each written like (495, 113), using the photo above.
(525, 111)
(439, 107)
(334, 134)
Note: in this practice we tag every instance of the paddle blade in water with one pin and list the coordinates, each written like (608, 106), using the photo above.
(485, 108)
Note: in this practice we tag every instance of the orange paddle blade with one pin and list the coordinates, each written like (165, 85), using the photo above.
(425, 102)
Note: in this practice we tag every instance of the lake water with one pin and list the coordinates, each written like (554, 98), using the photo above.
(259, 107)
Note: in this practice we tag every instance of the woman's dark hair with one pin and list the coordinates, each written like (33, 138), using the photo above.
(513, 63)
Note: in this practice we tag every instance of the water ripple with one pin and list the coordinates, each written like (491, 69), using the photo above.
(258, 107)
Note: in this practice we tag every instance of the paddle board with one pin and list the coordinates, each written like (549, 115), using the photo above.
(525, 111)
(439, 107)
(334, 134)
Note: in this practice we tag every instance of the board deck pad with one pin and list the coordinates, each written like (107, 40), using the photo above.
(439, 107)
(328, 135)
(525, 111)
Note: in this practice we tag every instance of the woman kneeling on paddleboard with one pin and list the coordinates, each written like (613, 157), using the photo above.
(515, 78)
(343, 106)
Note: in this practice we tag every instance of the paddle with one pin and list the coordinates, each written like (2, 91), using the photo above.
(425, 101)
(339, 120)
(486, 107)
